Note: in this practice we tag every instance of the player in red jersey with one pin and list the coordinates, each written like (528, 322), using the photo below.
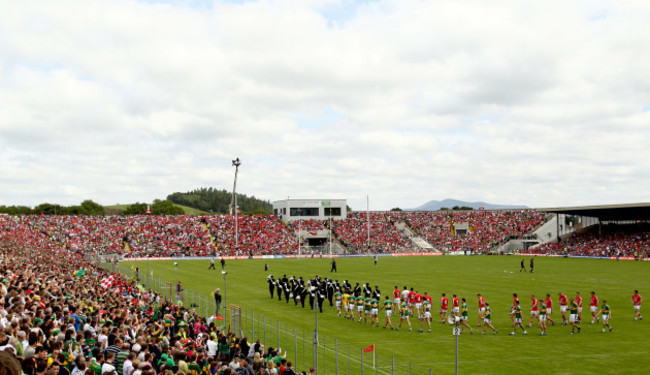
(396, 300)
(593, 307)
(427, 297)
(412, 301)
(455, 305)
(534, 310)
(481, 308)
(636, 302)
(444, 303)
(578, 302)
(549, 308)
(564, 303)
(418, 303)
(515, 303)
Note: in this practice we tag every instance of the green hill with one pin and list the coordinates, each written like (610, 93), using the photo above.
(218, 201)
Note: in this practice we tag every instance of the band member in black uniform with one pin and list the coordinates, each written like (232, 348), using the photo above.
(271, 282)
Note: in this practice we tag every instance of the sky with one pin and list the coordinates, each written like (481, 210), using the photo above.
(541, 104)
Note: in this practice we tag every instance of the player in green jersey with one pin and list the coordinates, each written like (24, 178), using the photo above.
(574, 319)
(542, 318)
(426, 315)
(360, 307)
(338, 298)
(464, 316)
(606, 315)
(366, 310)
(374, 312)
(516, 316)
(487, 319)
(388, 310)
(404, 315)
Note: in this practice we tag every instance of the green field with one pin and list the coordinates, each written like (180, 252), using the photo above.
(624, 350)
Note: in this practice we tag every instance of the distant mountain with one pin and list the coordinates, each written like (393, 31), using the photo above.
(450, 203)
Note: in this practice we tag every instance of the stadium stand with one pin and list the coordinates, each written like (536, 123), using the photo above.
(257, 234)
(384, 236)
(54, 317)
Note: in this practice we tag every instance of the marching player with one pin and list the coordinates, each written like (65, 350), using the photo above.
(605, 312)
(563, 307)
(404, 315)
(578, 302)
(396, 295)
(574, 316)
(444, 303)
(593, 307)
(352, 306)
(411, 300)
(542, 318)
(549, 308)
(338, 297)
(345, 301)
(636, 302)
(455, 305)
(481, 308)
(360, 306)
(388, 309)
(516, 317)
(515, 303)
(487, 319)
(374, 312)
(464, 316)
(418, 303)
(426, 315)
(367, 304)
(534, 310)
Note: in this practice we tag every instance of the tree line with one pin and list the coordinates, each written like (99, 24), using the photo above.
(218, 201)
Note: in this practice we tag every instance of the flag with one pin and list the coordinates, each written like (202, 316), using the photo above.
(80, 272)
(371, 348)
(107, 282)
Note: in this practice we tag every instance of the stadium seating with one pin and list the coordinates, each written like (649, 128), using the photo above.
(259, 234)
(384, 236)
(614, 239)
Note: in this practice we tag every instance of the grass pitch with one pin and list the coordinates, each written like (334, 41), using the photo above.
(624, 350)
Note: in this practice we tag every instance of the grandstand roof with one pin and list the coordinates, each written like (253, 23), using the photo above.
(613, 212)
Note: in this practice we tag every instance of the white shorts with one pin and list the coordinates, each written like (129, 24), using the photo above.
(637, 307)
(374, 311)
(463, 317)
(396, 301)
(579, 310)
(593, 308)
(455, 309)
(418, 306)
(573, 318)
(481, 310)
(427, 315)
(487, 320)
(549, 311)
(605, 317)
(389, 313)
(411, 304)
(444, 311)
(405, 317)
(360, 308)
(542, 318)
(563, 308)
(337, 303)
(517, 320)
(534, 312)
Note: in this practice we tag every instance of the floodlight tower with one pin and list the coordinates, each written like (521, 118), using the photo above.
(233, 202)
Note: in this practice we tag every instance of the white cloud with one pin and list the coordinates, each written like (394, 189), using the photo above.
(507, 101)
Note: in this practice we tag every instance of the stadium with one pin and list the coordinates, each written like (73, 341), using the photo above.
(161, 269)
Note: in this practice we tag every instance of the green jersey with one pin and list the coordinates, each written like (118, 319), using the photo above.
(542, 309)
(427, 305)
(338, 296)
(359, 301)
(374, 303)
(366, 304)
(463, 309)
(604, 309)
(388, 305)
(405, 310)
(487, 313)
(574, 308)
(518, 312)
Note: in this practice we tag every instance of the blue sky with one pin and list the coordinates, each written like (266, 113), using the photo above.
(402, 100)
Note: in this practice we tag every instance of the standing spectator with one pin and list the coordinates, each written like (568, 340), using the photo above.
(217, 300)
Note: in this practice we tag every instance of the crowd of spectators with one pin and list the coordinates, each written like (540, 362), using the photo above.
(256, 234)
(384, 236)
(55, 320)
(485, 228)
(307, 225)
(614, 240)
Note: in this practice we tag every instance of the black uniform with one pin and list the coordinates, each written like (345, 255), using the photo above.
(330, 291)
(278, 287)
(333, 266)
(532, 266)
(271, 282)
(523, 268)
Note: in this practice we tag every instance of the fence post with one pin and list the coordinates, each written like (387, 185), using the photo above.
(392, 366)
(348, 358)
(295, 345)
(303, 345)
(409, 367)
(278, 334)
(336, 356)
(361, 361)
(264, 319)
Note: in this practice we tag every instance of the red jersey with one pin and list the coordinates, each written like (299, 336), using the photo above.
(563, 300)
(594, 301)
(579, 301)
(514, 303)
(396, 293)
(444, 302)
(455, 302)
(411, 297)
(533, 305)
(418, 298)
(428, 298)
(636, 300)
(481, 302)
(549, 303)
